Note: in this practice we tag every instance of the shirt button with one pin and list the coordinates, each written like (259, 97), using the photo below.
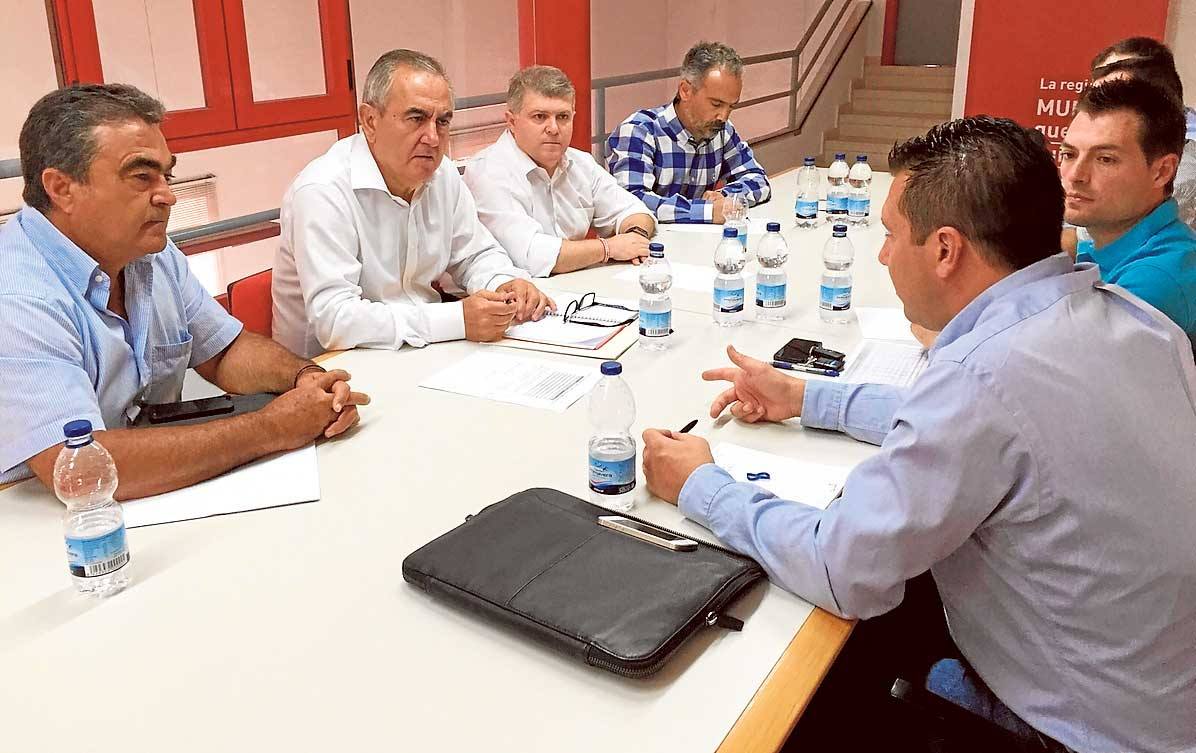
(99, 278)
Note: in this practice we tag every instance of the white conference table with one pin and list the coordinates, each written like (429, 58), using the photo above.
(292, 629)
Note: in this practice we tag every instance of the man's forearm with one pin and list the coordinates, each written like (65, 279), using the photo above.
(578, 255)
(254, 364)
(164, 458)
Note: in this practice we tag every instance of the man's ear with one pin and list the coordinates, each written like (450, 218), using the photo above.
(950, 247)
(368, 115)
(685, 91)
(61, 188)
(1164, 169)
(510, 118)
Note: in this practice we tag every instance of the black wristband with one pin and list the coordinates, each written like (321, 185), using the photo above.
(308, 367)
(640, 231)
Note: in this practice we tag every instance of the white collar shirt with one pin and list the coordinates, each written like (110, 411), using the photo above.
(355, 263)
(531, 213)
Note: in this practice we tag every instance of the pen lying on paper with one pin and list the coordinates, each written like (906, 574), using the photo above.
(807, 369)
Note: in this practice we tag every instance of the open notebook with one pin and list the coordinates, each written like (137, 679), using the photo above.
(612, 315)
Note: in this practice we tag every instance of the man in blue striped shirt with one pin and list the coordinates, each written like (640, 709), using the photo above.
(674, 158)
(102, 315)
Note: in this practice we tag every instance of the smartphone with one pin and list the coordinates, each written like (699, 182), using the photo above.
(796, 350)
(168, 412)
(645, 532)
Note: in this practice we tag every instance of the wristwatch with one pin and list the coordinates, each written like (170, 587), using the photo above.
(640, 231)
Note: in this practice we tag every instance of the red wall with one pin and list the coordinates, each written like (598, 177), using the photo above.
(1021, 48)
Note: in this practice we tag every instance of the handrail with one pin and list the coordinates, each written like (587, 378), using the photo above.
(223, 226)
(10, 168)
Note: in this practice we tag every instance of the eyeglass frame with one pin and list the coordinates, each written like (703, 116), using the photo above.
(578, 305)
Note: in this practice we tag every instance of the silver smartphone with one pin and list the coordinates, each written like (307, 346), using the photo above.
(645, 532)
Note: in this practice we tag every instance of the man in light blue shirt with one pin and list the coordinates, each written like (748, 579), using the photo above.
(102, 315)
(1040, 467)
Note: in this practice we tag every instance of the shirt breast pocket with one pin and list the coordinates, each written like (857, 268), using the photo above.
(168, 367)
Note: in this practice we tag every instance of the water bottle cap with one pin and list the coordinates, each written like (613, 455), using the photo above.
(730, 232)
(611, 368)
(734, 188)
(773, 227)
(861, 158)
(76, 429)
(654, 247)
(840, 156)
(808, 160)
(840, 230)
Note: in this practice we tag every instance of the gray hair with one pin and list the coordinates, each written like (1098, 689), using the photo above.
(377, 81)
(59, 131)
(545, 80)
(704, 57)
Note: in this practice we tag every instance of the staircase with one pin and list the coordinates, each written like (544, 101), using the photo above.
(890, 103)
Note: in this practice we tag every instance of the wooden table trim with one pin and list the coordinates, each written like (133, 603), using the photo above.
(773, 712)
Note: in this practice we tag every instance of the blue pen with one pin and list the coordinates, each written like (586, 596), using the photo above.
(807, 369)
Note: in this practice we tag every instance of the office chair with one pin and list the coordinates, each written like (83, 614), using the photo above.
(250, 301)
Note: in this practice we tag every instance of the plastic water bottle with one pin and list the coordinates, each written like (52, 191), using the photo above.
(85, 480)
(859, 191)
(772, 252)
(836, 192)
(729, 259)
(656, 308)
(806, 209)
(834, 300)
(611, 447)
(735, 215)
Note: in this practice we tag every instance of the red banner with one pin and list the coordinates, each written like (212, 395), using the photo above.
(1029, 58)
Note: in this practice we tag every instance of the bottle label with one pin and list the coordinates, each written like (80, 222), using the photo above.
(834, 298)
(612, 476)
(91, 558)
(656, 323)
(770, 296)
(807, 210)
(836, 204)
(858, 207)
(728, 300)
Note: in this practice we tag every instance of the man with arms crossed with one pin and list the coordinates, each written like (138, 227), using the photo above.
(674, 157)
(1040, 468)
(102, 315)
(371, 224)
(540, 198)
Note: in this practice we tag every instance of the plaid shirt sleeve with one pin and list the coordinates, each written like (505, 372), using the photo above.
(742, 169)
(632, 161)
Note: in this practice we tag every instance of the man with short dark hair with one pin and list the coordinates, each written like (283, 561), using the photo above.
(1056, 521)
(371, 224)
(540, 197)
(676, 157)
(1118, 164)
(102, 314)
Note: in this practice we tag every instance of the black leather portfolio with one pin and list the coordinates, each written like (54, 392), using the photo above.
(540, 562)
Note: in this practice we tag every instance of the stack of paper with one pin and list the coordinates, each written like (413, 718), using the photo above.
(286, 479)
(511, 379)
(812, 484)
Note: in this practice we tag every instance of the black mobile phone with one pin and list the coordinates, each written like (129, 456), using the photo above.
(796, 350)
(210, 406)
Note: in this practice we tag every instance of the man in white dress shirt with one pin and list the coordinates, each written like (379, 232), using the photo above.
(369, 225)
(540, 198)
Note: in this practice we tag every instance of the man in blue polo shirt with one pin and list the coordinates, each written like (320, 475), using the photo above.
(1118, 164)
(673, 158)
(102, 315)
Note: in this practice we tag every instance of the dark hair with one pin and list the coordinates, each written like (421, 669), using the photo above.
(1162, 128)
(1154, 70)
(1135, 47)
(989, 178)
(704, 57)
(59, 131)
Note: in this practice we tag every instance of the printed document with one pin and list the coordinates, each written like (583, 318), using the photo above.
(286, 479)
(534, 382)
(885, 362)
(813, 484)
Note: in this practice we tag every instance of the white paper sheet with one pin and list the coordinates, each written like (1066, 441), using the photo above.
(533, 382)
(755, 225)
(813, 484)
(885, 362)
(687, 276)
(884, 324)
(285, 479)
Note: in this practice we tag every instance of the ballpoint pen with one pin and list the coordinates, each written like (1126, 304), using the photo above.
(688, 426)
(803, 368)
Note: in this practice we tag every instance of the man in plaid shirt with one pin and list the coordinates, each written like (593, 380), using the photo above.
(672, 157)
